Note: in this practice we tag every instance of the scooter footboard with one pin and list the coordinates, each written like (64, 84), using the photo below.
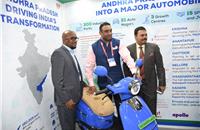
(136, 115)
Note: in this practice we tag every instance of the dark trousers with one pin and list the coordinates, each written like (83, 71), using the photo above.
(149, 98)
(117, 121)
(67, 118)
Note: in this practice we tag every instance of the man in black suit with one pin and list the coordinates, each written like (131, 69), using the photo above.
(67, 80)
(152, 69)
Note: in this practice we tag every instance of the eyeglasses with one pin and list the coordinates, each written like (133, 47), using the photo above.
(74, 38)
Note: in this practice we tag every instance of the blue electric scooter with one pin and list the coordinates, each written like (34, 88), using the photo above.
(87, 119)
(134, 112)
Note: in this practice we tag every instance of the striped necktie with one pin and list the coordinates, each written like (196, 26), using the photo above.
(142, 67)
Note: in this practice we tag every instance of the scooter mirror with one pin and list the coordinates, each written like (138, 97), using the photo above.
(100, 71)
(139, 63)
(135, 86)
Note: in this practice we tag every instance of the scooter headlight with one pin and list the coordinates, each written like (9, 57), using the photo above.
(135, 86)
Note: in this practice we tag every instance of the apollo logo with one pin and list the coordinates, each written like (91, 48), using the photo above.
(180, 115)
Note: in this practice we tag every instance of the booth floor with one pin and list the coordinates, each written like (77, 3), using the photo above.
(168, 128)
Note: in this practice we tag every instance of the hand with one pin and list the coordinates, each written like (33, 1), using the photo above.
(137, 76)
(70, 104)
(92, 89)
(161, 89)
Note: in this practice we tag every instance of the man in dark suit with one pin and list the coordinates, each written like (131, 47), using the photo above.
(151, 70)
(67, 80)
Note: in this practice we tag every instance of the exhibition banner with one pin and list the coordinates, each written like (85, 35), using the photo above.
(30, 31)
(174, 25)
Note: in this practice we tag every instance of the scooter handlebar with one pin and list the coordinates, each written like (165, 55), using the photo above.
(101, 91)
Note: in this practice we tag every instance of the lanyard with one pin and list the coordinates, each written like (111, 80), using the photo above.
(105, 50)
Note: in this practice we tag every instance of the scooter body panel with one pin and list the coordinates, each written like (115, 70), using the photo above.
(136, 115)
(86, 116)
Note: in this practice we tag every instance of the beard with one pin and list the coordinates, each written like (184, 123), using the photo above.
(73, 47)
(107, 39)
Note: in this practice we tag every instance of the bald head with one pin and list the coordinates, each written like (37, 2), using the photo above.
(69, 39)
(66, 33)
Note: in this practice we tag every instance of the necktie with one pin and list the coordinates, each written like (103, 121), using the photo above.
(142, 67)
(79, 69)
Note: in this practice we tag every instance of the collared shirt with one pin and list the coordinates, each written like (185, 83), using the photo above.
(91, 62)
(138, 49)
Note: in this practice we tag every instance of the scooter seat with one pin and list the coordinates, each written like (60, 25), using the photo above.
(101, 107)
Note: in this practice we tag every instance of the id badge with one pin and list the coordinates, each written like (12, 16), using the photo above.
(111, 62)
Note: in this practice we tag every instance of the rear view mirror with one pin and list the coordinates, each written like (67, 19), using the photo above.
(138, 63)
(101, 71)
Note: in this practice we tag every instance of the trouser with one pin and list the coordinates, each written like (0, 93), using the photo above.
(150, 98)
(67, 118)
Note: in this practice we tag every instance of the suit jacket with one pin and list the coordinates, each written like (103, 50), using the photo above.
(153, 66)
(65, 77)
